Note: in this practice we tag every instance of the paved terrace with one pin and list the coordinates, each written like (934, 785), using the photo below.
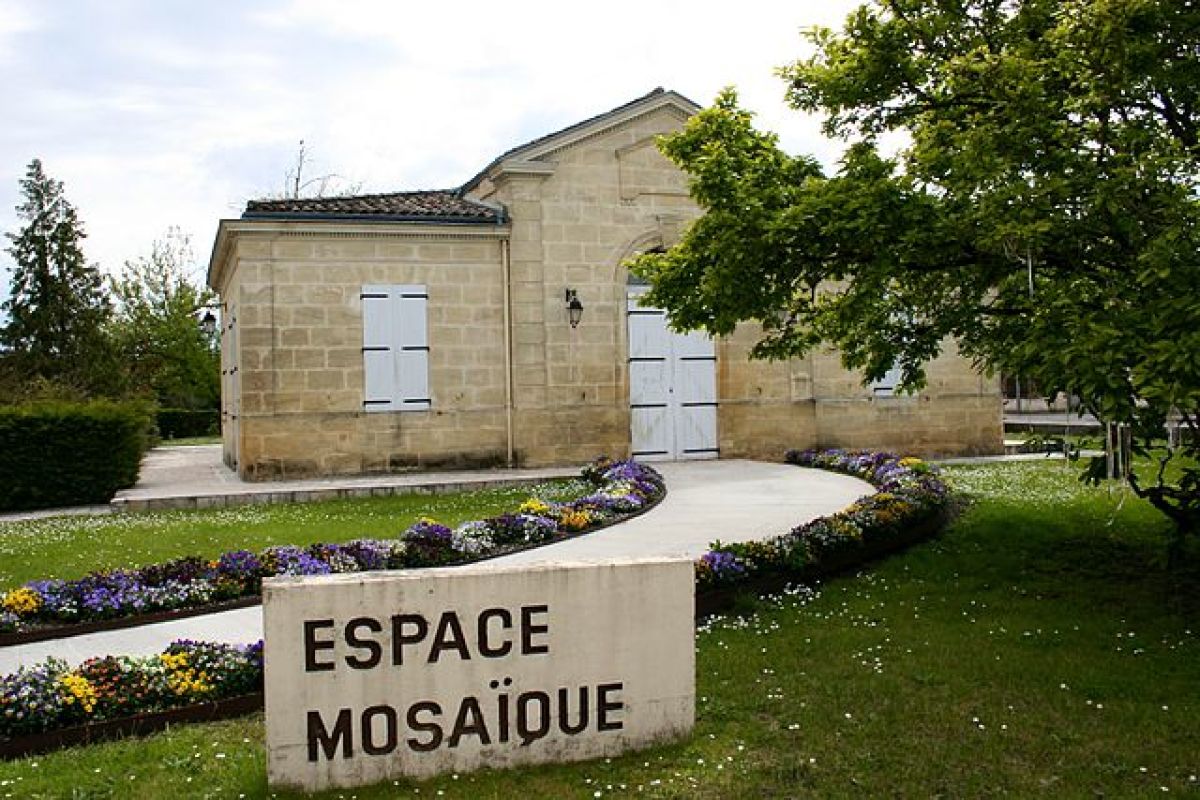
(706, 500)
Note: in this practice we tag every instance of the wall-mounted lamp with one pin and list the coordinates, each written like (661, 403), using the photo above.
(208, 323)
(574, 308)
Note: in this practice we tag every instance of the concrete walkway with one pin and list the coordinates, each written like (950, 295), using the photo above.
(195, 477)
(706, 500)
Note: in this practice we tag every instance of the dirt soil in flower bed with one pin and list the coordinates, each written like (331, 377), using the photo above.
(66, 630)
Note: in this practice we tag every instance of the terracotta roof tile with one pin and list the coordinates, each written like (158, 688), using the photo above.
(431, 206)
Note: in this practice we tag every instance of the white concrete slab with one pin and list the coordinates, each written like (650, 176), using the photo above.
(240, 626)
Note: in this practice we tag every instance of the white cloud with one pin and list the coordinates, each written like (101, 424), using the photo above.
(16, 17)
(159, 114)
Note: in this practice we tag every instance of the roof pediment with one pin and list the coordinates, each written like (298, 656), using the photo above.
(520, 158)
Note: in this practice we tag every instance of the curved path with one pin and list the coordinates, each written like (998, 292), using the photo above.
(706, 500)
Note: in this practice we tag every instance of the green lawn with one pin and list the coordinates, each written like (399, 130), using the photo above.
(70, 547)
(1038, 648)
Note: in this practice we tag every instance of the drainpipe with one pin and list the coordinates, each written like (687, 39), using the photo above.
(506, 270)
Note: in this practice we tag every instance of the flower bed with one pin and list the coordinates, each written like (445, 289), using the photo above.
(47, 608)
(52, 706)
(909, 506)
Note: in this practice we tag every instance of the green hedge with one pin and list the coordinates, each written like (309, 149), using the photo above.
(61, 454)
(182, 423)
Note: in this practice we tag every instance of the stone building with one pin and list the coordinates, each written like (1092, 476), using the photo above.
(436, 329)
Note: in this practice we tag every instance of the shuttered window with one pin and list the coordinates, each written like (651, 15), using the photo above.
(395, 348)
(886, 386)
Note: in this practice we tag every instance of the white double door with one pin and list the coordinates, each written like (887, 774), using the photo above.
(672, 388)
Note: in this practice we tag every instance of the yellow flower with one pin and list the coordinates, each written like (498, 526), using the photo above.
(77, 689)
(182, 679)
(534, 506)
(173, 661)
(910, 461)
(23, 601)
(575, 520)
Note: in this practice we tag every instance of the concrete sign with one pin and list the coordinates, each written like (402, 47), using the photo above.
(371, 676)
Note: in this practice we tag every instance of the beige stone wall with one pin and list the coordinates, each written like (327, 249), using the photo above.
(769, 407)
(300, 361)
(576, 215)
(957, 413)
(766, 407)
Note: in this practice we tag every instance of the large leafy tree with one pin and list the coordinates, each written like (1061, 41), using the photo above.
(1041, 208)
(159, 304)
(57, 308)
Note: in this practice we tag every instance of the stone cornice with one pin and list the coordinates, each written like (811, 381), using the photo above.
(517, 168)
(230, 230)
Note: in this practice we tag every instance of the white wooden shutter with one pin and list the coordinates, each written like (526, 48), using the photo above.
(395, 348)
(412, 357)
(379, 363)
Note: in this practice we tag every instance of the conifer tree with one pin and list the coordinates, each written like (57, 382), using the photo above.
(57, 307)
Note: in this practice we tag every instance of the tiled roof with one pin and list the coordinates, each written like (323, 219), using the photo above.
(431, 206)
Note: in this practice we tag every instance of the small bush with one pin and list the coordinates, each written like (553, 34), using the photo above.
(182, 423)
(60, 454)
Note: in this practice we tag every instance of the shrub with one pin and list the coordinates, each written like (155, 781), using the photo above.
(59, 454)
(181, 423)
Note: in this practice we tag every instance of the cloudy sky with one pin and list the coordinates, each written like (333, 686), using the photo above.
(160, 113)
